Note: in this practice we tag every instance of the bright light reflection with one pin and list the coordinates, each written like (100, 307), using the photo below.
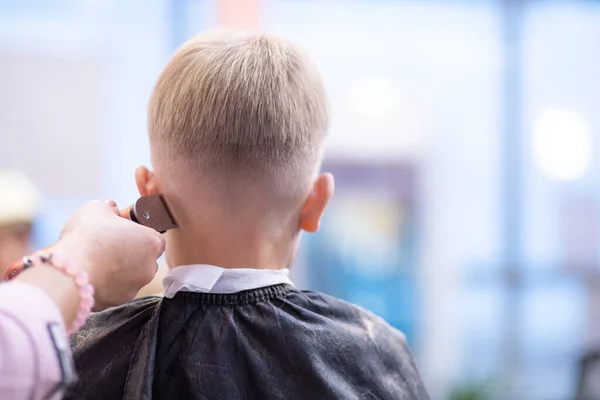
(562, 144)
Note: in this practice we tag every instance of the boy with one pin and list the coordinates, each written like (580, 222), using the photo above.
(237, 123)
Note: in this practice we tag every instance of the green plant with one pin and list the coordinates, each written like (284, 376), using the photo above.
(470, 392)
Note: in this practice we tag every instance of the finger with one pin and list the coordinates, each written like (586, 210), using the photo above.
(156, 241)
(110, 202)
(113, 206)
(162, 244)
(125, 213)
(99, 207)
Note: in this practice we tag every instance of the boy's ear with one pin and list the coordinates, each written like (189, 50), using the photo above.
(145, 180)
(314, 206)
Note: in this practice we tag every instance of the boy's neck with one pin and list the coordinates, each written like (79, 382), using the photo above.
(230, 251)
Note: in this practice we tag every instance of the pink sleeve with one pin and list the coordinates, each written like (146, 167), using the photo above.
(34, 348)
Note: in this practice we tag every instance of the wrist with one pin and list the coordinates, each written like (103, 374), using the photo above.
(59, 287)
(66, 283)
(76, 250)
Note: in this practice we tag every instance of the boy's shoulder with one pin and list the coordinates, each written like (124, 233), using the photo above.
(101, 324)
(311, 309)
(346, 313)
(103, 347)
(360, 343)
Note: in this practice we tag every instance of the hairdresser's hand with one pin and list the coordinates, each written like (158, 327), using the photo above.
(119, 255)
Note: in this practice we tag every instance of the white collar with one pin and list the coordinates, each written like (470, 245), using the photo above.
(211, 279)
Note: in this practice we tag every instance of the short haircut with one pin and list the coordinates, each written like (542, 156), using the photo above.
(243, 103)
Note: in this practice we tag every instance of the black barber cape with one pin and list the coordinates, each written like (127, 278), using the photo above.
(274, 342)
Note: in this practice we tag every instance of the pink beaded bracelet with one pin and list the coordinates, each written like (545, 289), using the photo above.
(85, 289)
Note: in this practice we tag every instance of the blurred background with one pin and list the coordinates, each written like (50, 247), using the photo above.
(463, 139)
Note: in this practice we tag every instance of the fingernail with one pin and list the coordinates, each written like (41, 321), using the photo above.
(110, 202)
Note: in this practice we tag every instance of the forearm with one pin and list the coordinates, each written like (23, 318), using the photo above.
(60, 288)
(57, 274)
(34, 354)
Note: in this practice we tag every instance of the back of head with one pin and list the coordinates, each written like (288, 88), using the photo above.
(240, 108)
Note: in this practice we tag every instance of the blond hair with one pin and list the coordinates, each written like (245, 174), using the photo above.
(249, 104)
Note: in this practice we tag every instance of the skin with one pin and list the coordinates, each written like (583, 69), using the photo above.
(215, 229)
(118, 255)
